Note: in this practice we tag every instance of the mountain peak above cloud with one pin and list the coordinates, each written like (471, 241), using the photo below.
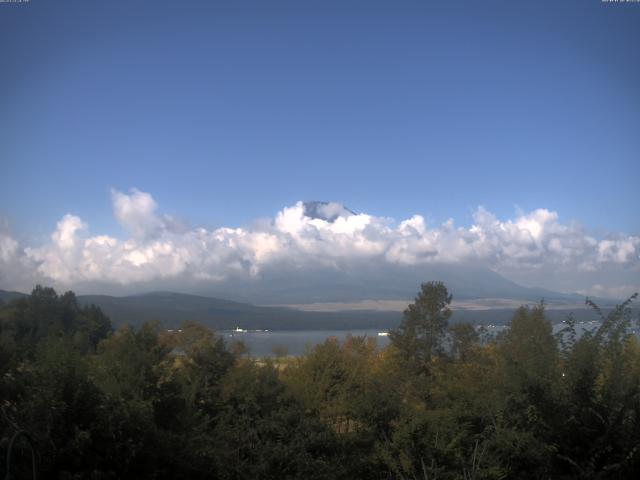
(327, 211)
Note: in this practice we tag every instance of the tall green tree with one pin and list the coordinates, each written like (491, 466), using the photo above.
(529, 378)
(420, 336)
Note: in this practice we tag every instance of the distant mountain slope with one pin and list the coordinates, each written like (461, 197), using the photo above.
(173, 308)
(364, 281)
(6, 296)
(370, 282)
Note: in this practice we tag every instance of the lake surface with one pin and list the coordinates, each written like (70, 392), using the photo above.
(262, 344)
(296, 342)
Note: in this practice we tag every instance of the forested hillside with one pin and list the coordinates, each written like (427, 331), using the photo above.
(442, 401)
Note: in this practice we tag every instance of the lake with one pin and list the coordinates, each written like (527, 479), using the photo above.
(262, 343)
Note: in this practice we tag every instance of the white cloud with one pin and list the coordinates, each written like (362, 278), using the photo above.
(532, 242)
(623, 250)
(136, 212)
(617, 291)
(60, 259)
(8, 248)
(15, 269)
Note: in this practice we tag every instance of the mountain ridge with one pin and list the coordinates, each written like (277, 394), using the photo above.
(172, 308)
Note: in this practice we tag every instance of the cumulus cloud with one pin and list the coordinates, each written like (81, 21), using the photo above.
(8, 247)
(16, 271)
(616, 291)
(136, 212)
(62, 257)
(305, 237)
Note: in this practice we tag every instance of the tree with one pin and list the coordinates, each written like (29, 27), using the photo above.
(464, 340)
(600, 431)
(53, 399)
(263, 431)
(422, 332)
(44, 313)
(529, 379)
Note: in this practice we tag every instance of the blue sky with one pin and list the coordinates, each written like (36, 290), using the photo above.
(226, 112)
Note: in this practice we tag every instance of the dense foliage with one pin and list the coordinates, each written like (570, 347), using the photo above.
(439, 402)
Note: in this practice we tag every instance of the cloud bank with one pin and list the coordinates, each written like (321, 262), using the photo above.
(321, 236)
